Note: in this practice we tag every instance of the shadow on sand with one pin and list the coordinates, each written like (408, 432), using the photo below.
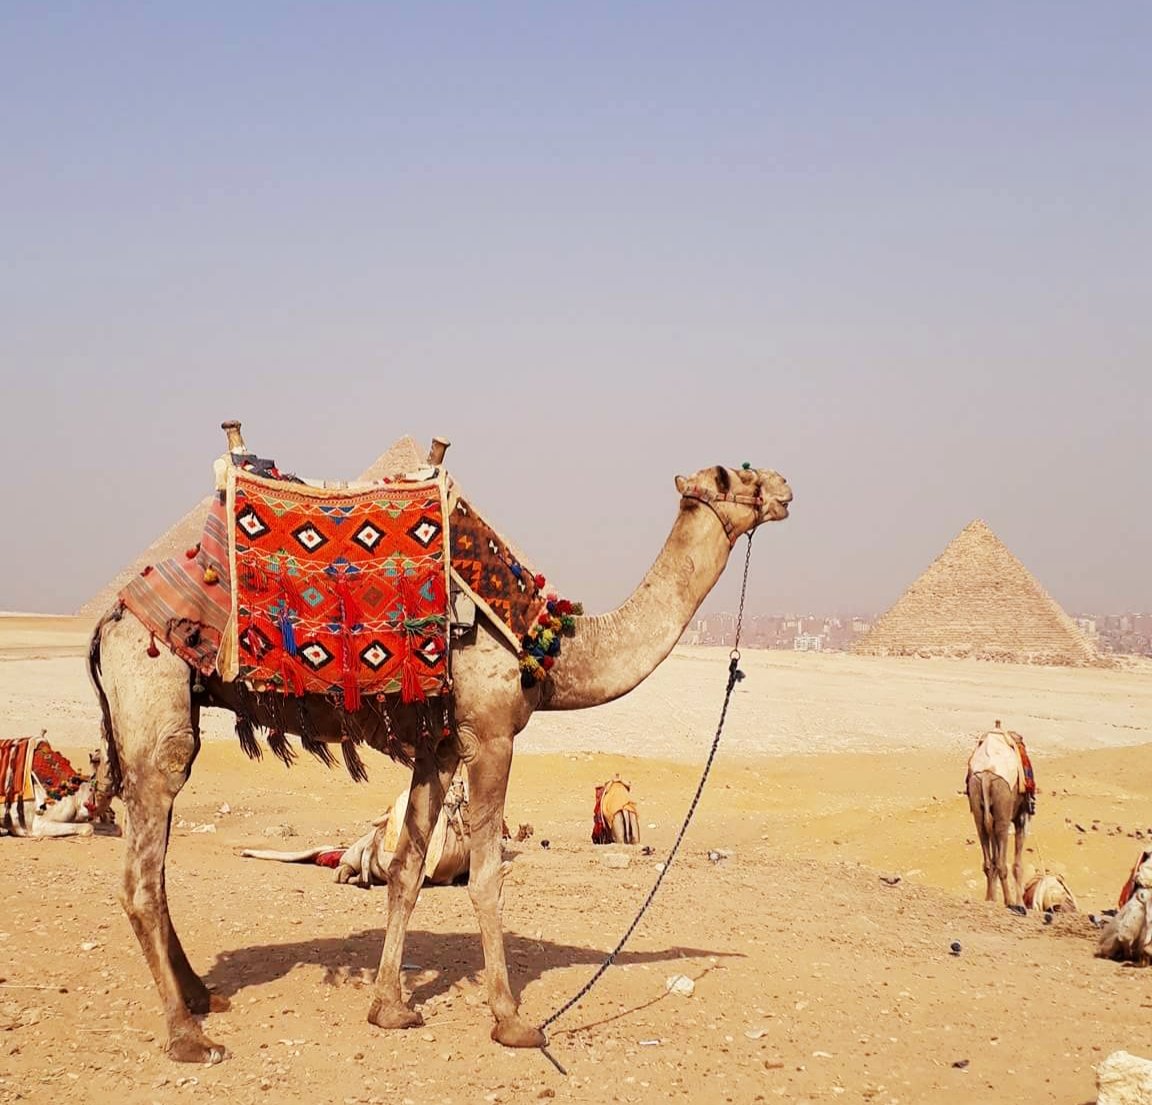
(434, 961)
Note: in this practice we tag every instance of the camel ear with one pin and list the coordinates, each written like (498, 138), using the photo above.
(681, 484)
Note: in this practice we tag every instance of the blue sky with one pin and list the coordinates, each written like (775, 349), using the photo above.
(897, 251)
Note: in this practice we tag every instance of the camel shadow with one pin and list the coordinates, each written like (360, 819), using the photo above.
(434, 962)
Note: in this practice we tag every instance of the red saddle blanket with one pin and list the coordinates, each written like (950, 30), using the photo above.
(339, 593)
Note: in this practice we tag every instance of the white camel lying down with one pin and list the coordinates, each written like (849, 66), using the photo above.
(1128, 935)
(365, 863)
(26, 807)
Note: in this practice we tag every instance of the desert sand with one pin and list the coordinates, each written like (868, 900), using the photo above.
(815, 978)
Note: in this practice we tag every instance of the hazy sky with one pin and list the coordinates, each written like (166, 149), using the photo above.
(898, 251)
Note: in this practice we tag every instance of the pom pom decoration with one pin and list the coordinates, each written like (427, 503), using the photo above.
(211, 575)
(541, 644)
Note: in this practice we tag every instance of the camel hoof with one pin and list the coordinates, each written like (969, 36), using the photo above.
(514, 1032)
(393, 1016)
(196, 1049)
(218, 1003)
(1021, 910)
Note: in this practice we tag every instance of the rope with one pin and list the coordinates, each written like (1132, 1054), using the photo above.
(734, 676)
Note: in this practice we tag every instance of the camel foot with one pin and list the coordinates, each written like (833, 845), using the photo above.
(1022, 910)
(393, 1016)
(195, 1048)
(515, 1032)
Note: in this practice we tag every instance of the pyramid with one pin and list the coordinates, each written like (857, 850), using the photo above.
(977, 600)
(403, 456)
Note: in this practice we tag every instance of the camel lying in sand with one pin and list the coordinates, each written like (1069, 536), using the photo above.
(1128, 935)
(40, 793)
(1049, 894)
(365, 863)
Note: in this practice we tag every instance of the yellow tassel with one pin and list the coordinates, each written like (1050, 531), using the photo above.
(211, 575)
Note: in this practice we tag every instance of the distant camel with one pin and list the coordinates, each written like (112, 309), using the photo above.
(1000, 795)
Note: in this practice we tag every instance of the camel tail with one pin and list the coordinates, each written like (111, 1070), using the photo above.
(109, 775)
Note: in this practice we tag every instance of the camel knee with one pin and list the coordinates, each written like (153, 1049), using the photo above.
(174, 753)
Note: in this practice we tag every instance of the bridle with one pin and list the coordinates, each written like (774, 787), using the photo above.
(711, 498)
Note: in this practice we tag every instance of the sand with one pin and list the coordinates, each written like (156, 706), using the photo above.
(815, 979)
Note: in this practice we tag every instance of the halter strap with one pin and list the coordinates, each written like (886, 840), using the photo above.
(711, 498)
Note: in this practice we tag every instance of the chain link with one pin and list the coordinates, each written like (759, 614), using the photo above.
(733, 677)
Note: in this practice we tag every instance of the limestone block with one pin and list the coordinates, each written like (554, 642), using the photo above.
(1124, 1079)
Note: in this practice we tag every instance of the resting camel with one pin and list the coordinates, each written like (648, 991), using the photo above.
(26, 807)
(151, 724)
(1000, 800)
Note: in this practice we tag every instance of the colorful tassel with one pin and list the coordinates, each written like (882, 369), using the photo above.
(287, 629)
(153, 651)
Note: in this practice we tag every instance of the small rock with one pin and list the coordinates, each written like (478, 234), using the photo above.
(279, 830)
(680, 984)
(616, 860)
(1124, 1079)
(955, 947)
(961, 1064)
(207, 827)
(89, 945)
(224, 810)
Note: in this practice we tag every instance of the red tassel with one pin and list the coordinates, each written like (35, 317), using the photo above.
(153, 651)
(350, 613)
(410, 689)
(193, 552)
(351, 683)
(291, 674)
(288, 590)
(409, 594)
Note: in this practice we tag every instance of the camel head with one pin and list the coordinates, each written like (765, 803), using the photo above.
(742, 498)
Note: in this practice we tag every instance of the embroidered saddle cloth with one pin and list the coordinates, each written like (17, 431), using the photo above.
(335, 591)
(28, 760)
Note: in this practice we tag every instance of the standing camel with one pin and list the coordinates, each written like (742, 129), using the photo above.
(152, 703)
(1000, 797)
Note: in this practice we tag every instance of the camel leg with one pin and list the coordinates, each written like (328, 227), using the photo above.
(157, 741)
(976, 802)
(431, 777)
(620, 828)
(633, 828)
(488, 785)
(1021, 823)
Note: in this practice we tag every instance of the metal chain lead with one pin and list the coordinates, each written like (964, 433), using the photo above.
(733, 678)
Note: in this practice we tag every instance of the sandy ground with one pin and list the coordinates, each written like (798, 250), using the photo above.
(815, 980)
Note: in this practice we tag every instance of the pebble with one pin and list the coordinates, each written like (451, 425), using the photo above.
(680, 984)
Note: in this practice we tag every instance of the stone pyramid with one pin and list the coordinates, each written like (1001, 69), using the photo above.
(403, 456)
(977, 600)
